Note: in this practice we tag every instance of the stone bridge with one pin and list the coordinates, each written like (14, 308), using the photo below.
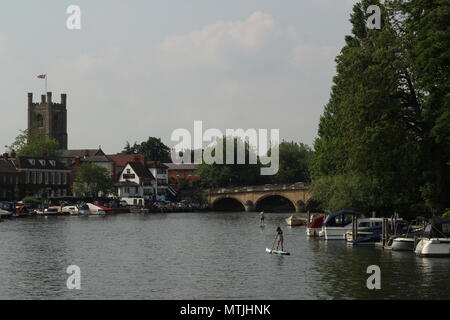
(298, 194)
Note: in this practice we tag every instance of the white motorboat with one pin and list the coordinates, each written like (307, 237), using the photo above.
(435, 241)
(5, 214)
(72, 210)
(337, 224)
(93, 209)
(296, 220)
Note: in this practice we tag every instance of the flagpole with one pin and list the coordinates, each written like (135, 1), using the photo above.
(46, 83)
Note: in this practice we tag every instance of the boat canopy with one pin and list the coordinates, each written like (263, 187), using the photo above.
(438, 228)
(316, 222)
(340, 218)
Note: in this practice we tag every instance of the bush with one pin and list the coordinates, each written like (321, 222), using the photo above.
(31, 201)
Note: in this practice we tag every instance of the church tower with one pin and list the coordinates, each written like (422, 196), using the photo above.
(48, 118)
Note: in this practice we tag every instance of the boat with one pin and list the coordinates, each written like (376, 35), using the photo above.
(401, 244)
(51, 211)
(314, 227)
(370, 230)
(296, 220)
(71, 210)
(406, 241)
(337, 224)
(435, 240)
(5, 214)
(93, 209)
(7, 209)
(279, 252)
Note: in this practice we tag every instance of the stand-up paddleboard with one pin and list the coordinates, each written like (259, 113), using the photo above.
(282, 253)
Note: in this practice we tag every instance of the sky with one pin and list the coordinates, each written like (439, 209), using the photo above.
(143, 68)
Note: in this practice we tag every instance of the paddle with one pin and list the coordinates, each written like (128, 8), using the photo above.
(274, 241)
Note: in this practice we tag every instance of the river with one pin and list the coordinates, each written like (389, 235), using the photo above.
(200, 256)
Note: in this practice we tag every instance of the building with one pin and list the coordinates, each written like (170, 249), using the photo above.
(47, 118)
(136, 185)
(43, 176)
(160, 171)
(9, 179)
(121, 160)
(182, 171)
(69, 156)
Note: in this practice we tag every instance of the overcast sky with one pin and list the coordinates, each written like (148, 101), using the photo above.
(145, 68)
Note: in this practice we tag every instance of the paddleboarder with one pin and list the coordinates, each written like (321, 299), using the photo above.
(261, 218)
(279, 235)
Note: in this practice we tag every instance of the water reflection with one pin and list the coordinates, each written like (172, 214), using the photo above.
(200, 256)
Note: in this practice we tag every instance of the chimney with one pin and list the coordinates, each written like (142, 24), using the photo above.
(13, 154)
(43, 98)
(49, 97)
(77, 161)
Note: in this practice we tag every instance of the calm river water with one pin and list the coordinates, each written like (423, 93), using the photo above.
(199, 256)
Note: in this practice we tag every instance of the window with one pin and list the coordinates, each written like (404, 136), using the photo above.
(52, 163)
(32, 161)
(42, 162)
(39, 121)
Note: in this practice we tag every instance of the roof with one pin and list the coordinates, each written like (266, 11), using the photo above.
(7, 166)
(340, 213)
(123, 159)
(181, 166)
(141, 170)
(155, 164)
(100, 158)
(82, 153)
(41, 163)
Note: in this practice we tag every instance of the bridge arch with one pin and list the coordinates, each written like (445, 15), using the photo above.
(275, 202)
(252, 197)
(228, 203)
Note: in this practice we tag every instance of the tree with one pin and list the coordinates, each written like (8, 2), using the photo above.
(294, 163)
(92, 181)
(427, 36)
(153, 149)
(231, 175)
(38, 146)
(369, 132)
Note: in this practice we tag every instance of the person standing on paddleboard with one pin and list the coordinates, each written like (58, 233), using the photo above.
(280, 237)
(261, 218)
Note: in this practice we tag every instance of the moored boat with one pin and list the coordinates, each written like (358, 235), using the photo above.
(435, 240)
(296, 220)
(315, 226)
(337, 224)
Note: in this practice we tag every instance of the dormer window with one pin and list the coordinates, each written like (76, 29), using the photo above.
(42, 162)
(32, 161)
(52, 163)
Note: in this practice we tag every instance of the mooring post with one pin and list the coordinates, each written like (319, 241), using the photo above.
(354, 228)
(384, 231)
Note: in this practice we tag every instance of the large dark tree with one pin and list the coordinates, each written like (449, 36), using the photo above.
(153, 149)
(294, 163)
(384, 136)
(231, 175)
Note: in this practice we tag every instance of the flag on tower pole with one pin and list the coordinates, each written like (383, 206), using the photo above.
(43, 76)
